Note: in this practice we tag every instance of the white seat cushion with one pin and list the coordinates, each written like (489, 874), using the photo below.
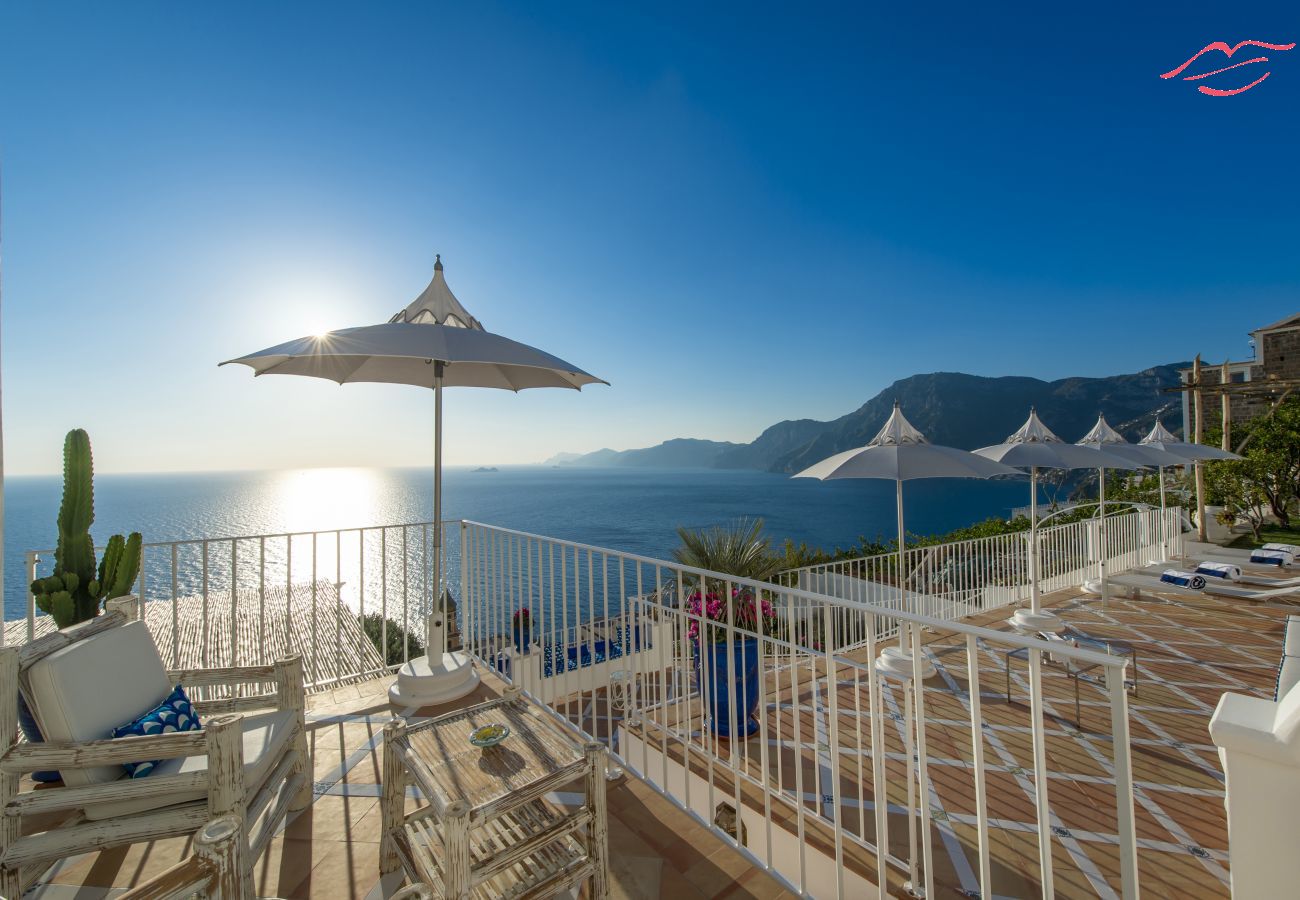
(82, 692)
(266, 739)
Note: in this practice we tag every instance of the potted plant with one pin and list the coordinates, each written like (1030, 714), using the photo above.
(522, 626)
(77, 588)
(726, 659)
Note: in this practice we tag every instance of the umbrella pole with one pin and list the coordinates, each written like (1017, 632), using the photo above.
(902, 585)
(1033, 540)
(441, 636)
(1164, 530)
(1101, 535)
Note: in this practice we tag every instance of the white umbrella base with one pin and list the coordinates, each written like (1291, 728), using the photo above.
(1093, 586)
(894, 662)
(421, 683)
(1030, 621)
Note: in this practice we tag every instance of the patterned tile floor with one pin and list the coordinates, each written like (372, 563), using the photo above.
(1189, 652)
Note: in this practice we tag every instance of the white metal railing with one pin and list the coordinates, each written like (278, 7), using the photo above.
(833, 735)
(957, 579)
(311, 590)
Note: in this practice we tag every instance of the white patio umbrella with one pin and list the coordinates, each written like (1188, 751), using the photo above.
(433, 343)
(898, 453)
(1160, 438)
(1035, 446)
(1107, 440)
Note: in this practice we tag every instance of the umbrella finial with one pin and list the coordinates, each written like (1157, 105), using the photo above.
(437, 305)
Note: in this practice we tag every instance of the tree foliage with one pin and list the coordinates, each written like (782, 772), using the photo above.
(373, 625)
(1269, 475)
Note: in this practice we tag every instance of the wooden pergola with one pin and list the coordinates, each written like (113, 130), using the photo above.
(1273, 389)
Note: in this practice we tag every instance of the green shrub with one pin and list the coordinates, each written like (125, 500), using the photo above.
(373, 625)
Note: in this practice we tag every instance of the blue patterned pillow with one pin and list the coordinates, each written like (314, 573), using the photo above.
(173, 714)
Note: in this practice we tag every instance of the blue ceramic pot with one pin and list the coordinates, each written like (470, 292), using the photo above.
(523, 639)
(720, 672)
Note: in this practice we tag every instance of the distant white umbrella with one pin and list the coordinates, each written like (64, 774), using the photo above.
(898, 453)
(1035, 446)
(1160, 438)
(434, 342)
(1107, 440)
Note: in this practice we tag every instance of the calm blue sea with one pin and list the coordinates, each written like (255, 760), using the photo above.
(635, 510)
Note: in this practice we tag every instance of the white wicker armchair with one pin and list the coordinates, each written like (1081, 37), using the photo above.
(81, 682)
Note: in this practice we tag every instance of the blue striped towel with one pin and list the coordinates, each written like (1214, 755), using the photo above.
(1272, 557)
(1184, 579)
(1285, 548)
(1226, 571)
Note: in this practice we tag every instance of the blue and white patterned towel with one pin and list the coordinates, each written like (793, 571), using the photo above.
(1184, 579)
(1271, 557)
(1226, 571)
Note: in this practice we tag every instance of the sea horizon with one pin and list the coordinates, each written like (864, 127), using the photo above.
(633, 510)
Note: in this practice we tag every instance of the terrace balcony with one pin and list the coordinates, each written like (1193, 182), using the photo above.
(987, 781)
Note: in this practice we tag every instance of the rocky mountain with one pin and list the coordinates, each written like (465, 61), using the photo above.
(950, 407)
(678, 453)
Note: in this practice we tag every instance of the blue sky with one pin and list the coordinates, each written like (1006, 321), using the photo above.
(734, 214)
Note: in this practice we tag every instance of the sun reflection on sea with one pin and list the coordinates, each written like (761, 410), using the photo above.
(323, 499)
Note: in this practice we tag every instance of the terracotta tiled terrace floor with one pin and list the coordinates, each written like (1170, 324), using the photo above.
(331, 849)
(1189, 652)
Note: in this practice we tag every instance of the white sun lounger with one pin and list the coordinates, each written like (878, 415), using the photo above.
(1250, 575)
(1234, 555)
(1138, 581)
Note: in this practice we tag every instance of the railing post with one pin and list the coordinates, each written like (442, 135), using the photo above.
(32, 560)
(1123, 780)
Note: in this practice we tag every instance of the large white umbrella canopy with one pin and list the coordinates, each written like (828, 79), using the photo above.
(433, 329)
(1034, 446)
(1161, 438)
(434, 343)
(898, 453)
(1107, 440)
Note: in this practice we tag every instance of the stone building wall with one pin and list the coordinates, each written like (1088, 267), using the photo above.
(1277, 355)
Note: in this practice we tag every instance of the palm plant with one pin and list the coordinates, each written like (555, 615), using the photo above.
(739, 548)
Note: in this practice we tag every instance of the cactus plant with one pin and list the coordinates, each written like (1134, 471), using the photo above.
(76, 589)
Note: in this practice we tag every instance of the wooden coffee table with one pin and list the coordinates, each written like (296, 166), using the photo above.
(487, 829)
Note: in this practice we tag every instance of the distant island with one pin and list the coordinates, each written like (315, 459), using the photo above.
(486, 469)
(952, 408)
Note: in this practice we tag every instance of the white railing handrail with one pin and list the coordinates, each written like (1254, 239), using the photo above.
(821, 695)
(1043, 533)
(272, 535)
(1092, 657)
